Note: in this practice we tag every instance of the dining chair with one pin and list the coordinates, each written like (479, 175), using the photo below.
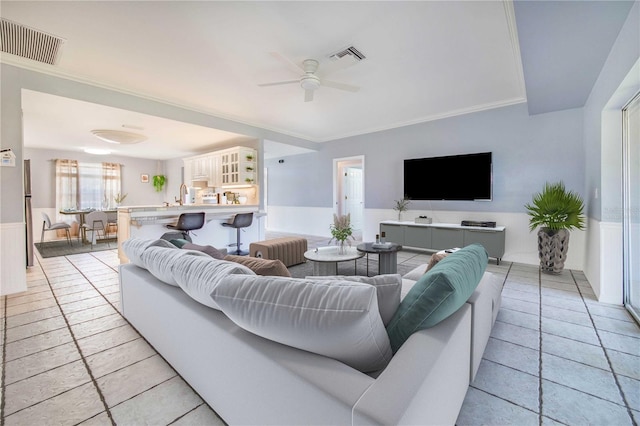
(112, 222)
(48, 226)
(96, 222)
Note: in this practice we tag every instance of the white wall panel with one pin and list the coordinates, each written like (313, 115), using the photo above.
(13, 272)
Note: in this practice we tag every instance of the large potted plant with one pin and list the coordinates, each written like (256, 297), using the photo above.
(556, 211)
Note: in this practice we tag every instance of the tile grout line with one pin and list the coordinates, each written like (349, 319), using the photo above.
(82, 357)
(606, 355)
(4, 358)
(540, 392)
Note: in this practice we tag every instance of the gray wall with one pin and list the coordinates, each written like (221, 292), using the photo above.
(527, 152)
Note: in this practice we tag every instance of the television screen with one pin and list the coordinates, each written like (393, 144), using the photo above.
(454, 177)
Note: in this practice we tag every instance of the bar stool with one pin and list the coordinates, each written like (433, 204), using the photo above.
(241, 220)
(188, 222)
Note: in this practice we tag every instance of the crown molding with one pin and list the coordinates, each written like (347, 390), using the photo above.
(510, 14)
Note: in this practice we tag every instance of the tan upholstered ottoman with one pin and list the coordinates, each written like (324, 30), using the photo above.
(290, 250)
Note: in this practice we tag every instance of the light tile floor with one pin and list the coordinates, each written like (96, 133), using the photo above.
(555, 356)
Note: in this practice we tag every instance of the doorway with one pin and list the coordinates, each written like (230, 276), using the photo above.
(348, 194)
(631, 205)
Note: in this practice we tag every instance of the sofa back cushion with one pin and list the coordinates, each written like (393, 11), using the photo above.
(134, 247)
(388, 288)
(161, 261)
(337, 319)
(438, 293)
(198, 276)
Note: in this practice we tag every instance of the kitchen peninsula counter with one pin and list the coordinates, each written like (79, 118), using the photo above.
(149, 222)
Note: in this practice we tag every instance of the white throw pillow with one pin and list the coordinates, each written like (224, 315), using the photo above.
(134, 247)
(198, 276)
(388, 287)
(337, 319)
(160, 261)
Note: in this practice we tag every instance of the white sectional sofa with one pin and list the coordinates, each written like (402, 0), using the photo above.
(248, 379)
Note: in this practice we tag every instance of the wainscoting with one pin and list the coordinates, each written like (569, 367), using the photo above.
(13, 277)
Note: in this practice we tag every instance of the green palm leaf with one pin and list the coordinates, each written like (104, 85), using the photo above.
(556, 208)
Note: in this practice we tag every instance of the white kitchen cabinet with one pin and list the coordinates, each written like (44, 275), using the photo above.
(238, 166)
(215, 174)
(233, 166)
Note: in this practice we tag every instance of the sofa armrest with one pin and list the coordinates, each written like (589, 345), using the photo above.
(427, 379)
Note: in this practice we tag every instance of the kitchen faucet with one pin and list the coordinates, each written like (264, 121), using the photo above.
(185, 193)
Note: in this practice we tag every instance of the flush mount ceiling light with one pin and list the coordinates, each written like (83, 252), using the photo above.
(118, 136)
(96, 151)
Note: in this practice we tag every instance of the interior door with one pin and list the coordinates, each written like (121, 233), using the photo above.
(353, 196)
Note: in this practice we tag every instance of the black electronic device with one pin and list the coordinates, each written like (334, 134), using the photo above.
(482, 224)
(454, 177)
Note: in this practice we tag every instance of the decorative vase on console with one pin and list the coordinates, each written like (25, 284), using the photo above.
(402, 205)
(341, 231)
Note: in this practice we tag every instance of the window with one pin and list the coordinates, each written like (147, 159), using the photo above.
(86, 185)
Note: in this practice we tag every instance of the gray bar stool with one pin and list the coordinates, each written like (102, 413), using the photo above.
(188, 222)
(241, 220)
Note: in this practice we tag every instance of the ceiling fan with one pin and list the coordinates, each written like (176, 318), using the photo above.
(309, 81)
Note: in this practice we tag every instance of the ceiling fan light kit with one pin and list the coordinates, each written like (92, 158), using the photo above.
(118, 136)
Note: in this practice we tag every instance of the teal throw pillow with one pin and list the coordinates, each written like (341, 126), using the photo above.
(438, 293)
(178, 242)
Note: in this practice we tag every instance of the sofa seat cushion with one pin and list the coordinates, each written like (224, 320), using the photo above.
(337, 319)
(388, 287)
(273, 267)
(438, 293)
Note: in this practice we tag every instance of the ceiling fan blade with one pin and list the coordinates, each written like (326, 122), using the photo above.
(308, 95)
(279, 83)
(340, 86)
(288, 62)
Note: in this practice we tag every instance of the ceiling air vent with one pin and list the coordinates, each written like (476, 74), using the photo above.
(29, 43)
(349, 51)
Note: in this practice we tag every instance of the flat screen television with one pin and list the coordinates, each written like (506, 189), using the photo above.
(454, 177)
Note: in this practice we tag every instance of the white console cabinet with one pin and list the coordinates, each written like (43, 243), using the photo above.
(441, 236)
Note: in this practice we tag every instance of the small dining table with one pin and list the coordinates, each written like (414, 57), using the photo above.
(81, 213)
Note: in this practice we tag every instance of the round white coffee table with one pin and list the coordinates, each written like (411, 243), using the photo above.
(325, 259)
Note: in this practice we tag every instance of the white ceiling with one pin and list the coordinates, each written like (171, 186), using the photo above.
(425, 60)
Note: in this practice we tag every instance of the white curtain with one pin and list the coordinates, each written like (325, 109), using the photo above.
(86, 186)
(67, 187)
(111, 182)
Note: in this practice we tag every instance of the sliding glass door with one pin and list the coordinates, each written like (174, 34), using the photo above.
(631, 204)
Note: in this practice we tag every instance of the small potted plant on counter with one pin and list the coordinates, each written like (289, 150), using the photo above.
(119, 198)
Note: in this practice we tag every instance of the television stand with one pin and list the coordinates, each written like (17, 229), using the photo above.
(442, 236)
